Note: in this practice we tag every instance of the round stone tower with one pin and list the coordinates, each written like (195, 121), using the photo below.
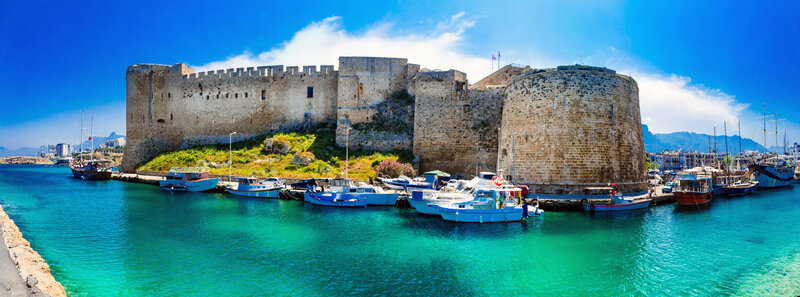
(573, 127)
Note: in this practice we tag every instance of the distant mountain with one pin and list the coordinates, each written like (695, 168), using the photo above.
(690, 141)
(25, 151)
(98, 140)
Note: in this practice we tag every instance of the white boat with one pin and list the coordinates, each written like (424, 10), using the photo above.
(345, 188)
(192, 179)
(487, 206)
(431, 180)
(252, 187)
(454, 191)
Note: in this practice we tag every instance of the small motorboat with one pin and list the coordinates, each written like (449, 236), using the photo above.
(345, 190)
(693, 190)
(336, 199)
(421, 200)
(252, 187)
(740, 188)
(487, 206)
(404, 182)
(191, 179)
(616, 201)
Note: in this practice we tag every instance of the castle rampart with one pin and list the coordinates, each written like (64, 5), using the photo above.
(572, 127)
(557, 130)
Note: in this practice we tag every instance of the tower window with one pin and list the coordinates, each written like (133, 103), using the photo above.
(169, 95)
(263, 94)
(226, 95)
(245, 94)
(309, 92)
(236, 95)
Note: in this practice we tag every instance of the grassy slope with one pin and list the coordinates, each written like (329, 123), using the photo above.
(248, 157)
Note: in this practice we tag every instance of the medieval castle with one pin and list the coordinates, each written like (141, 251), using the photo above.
(556, 130)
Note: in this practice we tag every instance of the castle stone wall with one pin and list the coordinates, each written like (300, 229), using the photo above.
(455, 129)
(564, 130)
(171, 107)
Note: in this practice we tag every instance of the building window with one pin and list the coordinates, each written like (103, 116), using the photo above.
(309, 92)
(245, 94)
(236, 95)
(263, 94)
(170, 117)
(207, 97)
(360, 89)
(226, 95)
(169, 95)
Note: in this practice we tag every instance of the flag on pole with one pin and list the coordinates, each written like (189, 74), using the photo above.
(494, 58)
(498, 54)
(90, 138)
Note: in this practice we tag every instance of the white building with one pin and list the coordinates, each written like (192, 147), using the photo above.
(63, 150)
(117, 142)
(795, 149)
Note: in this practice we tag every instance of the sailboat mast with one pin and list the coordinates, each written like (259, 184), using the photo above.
(725, 126)
(776, 138)
(81, 152)
(765, 129)
(91, 134)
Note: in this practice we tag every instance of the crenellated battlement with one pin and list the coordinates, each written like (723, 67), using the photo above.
(260, 71)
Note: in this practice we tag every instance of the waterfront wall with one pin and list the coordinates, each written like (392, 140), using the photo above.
(33, 270)
(572, 127)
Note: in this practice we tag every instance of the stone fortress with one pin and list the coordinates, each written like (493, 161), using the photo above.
(556, 130)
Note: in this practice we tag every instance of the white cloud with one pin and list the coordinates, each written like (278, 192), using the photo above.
(669, 102)
(323, 42)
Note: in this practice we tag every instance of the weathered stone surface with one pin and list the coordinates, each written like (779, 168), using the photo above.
(302, 159)
(558, 130)
(565, 130)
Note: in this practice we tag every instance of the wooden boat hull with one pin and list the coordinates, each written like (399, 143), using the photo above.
(332, 199)
(692, 198)
(732, 191)
(502, 215)
(588, 206)
(91, 175)
(268, 193)
(190, 186)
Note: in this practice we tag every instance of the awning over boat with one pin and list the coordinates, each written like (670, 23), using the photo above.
(437, 173)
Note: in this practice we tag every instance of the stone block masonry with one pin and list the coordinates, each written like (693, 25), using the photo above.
(558, 129)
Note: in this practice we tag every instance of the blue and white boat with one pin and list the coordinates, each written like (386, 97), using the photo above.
(191, 179)
(343, 190)
(252, 187)
(487, 206)
(421, 200)
(432, 180)
(773, 176)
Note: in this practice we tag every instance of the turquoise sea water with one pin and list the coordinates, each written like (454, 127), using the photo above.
(111, 238)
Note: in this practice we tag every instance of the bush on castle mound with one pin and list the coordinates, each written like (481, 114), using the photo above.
(272, 154)
(392, 168)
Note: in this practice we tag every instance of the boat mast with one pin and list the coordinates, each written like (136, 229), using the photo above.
(714, 155)
(740, 137)
(91, 133)
(725, 126)
(776, 138)
(81, 152)
(764, 109)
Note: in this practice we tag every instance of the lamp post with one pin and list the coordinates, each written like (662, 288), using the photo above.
(230, 155)
(347, 152)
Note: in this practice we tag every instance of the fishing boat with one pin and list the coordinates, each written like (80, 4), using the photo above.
(740, 188)
(693, 190)
(616, 201)
(487, 206)
(191, 179)
(421, 200)
(344, 190)
(252, 187)
(92, 170)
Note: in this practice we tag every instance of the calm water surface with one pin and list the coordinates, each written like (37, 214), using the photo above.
(111, 238)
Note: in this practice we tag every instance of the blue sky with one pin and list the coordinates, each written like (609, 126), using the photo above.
(698, 63)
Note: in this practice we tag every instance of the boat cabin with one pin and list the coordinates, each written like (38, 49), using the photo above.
(188, 173)
(694, 183)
